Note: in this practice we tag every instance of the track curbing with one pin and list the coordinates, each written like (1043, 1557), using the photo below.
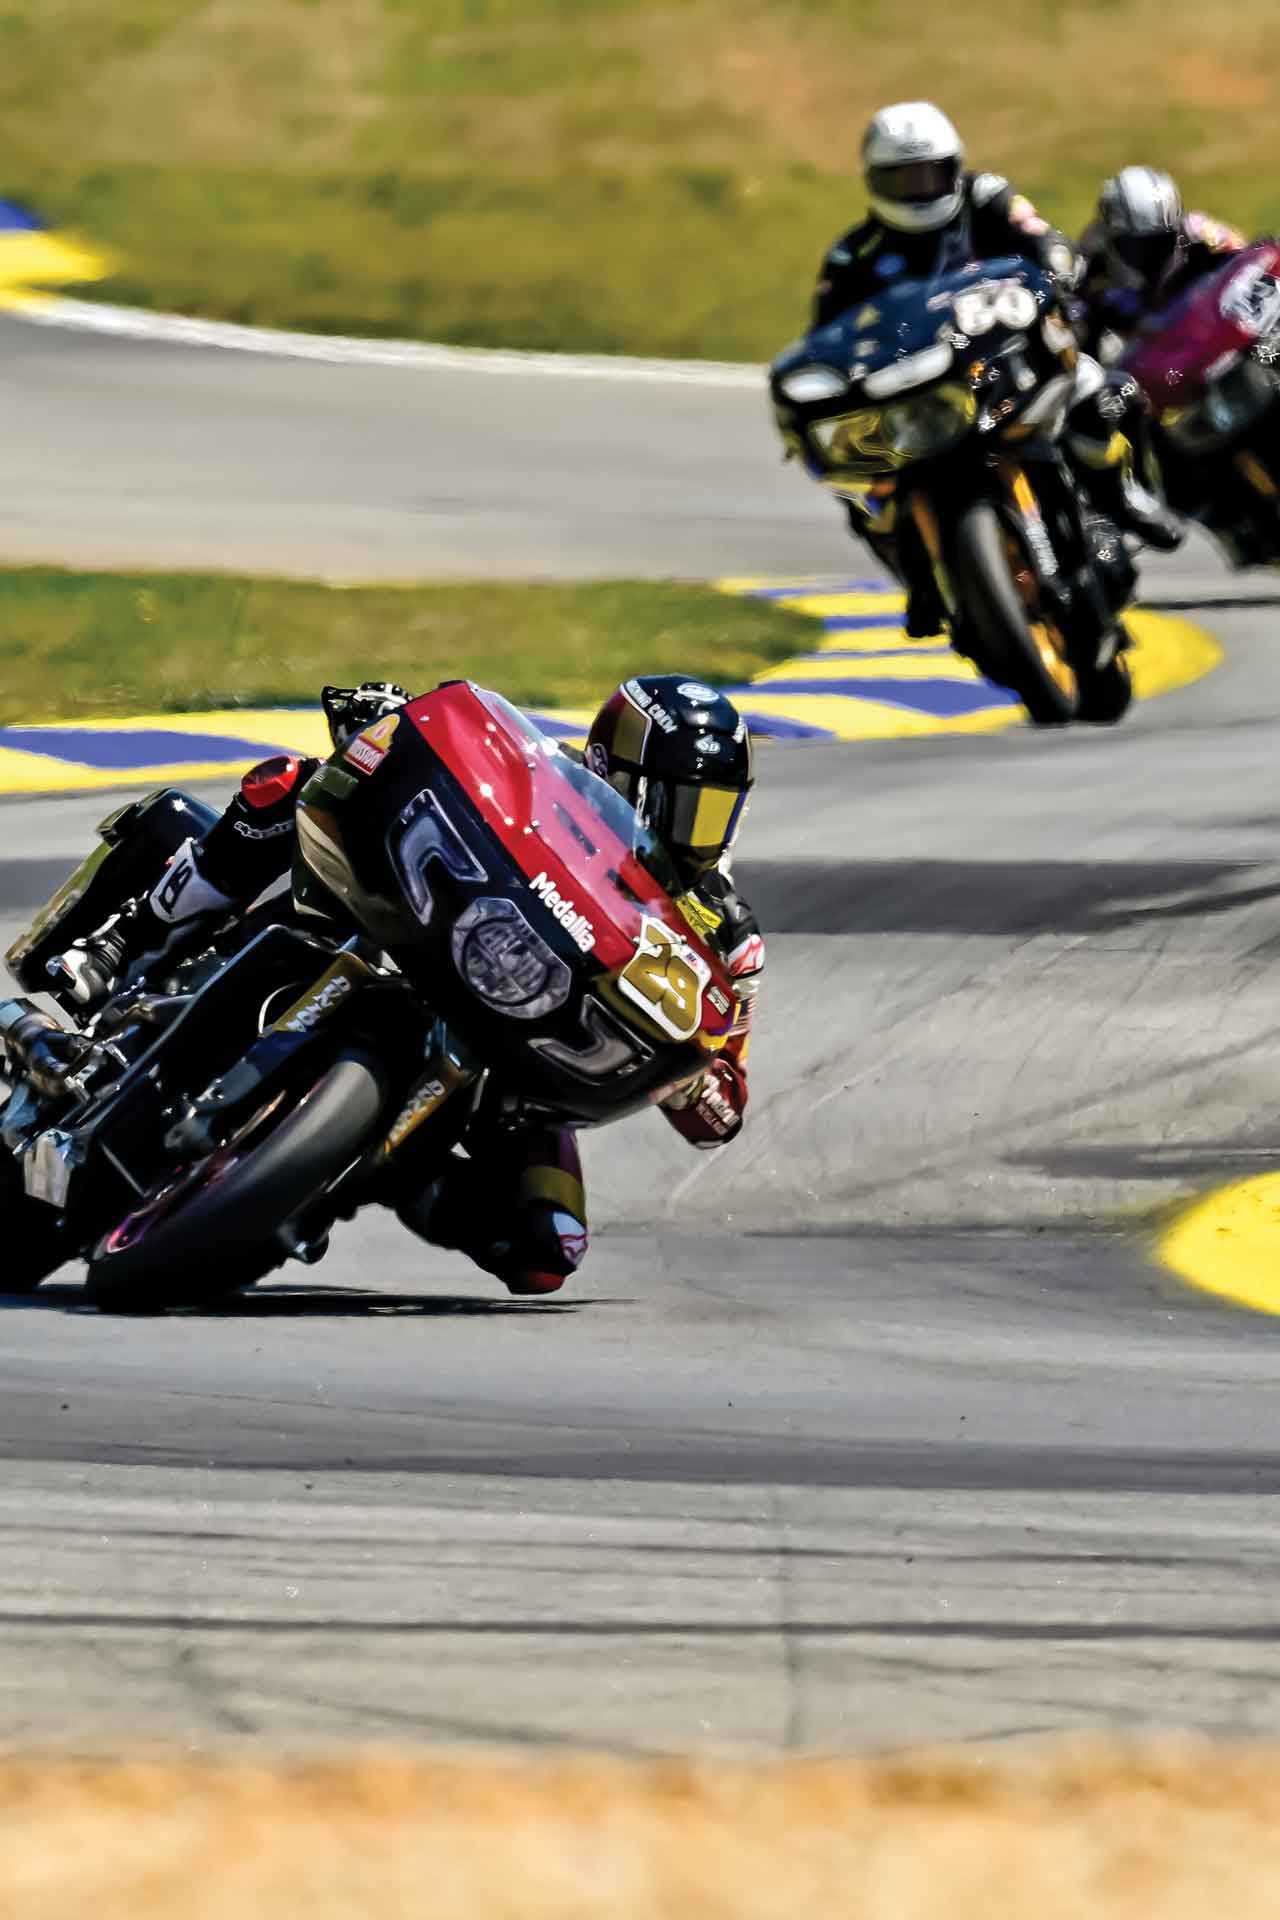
(862, 681)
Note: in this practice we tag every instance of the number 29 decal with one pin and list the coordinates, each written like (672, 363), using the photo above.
(666, 977)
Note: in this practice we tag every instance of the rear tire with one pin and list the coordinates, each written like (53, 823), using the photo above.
(1027, 658)
(221, 1236)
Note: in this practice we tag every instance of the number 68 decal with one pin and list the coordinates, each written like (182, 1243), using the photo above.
(666, 978)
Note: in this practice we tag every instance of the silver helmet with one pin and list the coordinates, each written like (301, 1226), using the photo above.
(1142, 217)
(911, 161)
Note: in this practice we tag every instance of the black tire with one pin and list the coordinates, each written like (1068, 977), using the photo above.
(31, 1236)
(1106, 695)
(1031, 666)
(221, 1239)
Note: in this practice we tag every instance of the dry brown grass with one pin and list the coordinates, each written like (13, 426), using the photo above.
(1170, 1833)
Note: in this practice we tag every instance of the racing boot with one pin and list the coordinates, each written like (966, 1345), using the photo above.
(925, 615)
(94, 968)
(1120, 495)
(520, 1214)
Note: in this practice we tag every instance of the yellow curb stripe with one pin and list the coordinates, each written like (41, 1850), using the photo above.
(1229, 1244)
(35, 259)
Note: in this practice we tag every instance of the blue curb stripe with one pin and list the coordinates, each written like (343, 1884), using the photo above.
(123, 752)
(862, 622)
(942, 698)
(918, 650)
(811, 589)
(16, 219)
(767, 726)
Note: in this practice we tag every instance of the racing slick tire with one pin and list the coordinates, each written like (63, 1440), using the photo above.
(32, 1242)
(213, 1230)
(1025, 654)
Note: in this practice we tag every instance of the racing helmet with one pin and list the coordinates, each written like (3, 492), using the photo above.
(681, 754)
(911, 161)
(1140, 210)
(349, 710)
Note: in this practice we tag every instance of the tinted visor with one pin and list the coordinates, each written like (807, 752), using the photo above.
(914, 180)
(698, 822)
(1148, 254)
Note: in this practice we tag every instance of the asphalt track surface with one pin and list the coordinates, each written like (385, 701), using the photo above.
(881, 1427)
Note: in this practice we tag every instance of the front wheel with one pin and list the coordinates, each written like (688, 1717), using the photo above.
(212, 1228)
(1106, 693)
(997, 589)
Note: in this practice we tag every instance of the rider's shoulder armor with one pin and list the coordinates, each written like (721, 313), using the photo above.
(986, 187)
(1216, 235)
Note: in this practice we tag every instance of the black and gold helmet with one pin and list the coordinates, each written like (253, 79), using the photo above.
(681, 754)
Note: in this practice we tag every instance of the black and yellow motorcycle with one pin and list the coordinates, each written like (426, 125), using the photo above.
(936, 411)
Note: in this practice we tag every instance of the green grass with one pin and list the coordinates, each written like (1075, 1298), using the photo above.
(79, 645)
(608, 174)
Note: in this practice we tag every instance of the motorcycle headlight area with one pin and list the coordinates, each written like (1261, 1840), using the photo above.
(929, 423)
(506, 963)
(876, 439)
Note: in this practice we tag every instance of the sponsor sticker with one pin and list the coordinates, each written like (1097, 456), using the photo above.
(247, 832)
(369, 749)
(648, 705)
(575, 924)
(694, 690)
(317, 1006)
(414, 1111)
(703, 919)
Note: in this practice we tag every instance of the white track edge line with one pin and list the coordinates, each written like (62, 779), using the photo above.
(136, 323)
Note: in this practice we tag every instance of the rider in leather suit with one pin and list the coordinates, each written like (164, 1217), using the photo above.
(1141, 250)
(681, 754)
(929, 216)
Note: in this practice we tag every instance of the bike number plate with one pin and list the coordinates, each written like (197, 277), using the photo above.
(1252, 300)
(665, 977)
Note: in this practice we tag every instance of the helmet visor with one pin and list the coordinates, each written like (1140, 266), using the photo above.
(914, 180)
(1146, 254)
(700, 822)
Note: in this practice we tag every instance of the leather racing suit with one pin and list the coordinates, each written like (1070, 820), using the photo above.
(1106, 306)
(517, 1206)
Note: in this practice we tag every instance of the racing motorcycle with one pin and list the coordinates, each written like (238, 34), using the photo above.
(1209, 366)
(936, 411)
(481, 932)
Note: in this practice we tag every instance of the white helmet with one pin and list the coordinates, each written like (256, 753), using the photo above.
(911, 157)
(1141, 213)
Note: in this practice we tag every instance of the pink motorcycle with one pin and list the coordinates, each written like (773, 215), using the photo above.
(1209, 366)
